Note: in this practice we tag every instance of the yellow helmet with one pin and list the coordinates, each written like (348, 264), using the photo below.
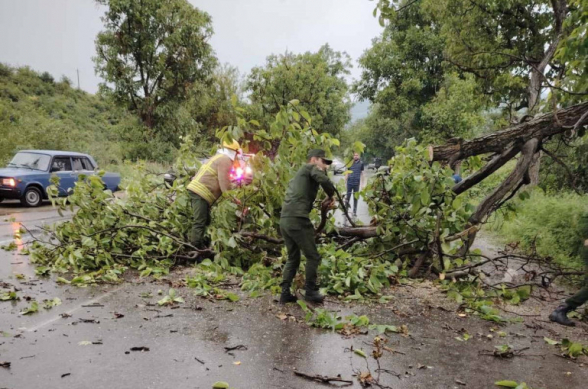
(234, 145)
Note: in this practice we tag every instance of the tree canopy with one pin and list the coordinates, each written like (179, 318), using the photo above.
(315, 79)
(152, 53)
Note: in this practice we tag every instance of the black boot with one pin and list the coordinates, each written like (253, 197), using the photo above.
(312, 294)
(560, 315)
(287, 296)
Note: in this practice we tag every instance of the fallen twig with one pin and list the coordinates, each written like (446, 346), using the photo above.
(323, 379)
(238, 347)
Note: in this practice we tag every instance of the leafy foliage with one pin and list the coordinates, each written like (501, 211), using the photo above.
(152, 52)
(573, 52)
(412, 207)
(573, 349)
(501, 42)
(549, 225)
(322, 318)
(408, 203)
(314, 79)
(171, 298)
(37, 114)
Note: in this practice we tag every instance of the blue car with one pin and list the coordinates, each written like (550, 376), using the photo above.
(28, 174)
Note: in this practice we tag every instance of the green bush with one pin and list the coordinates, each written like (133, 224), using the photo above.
(37, 113)
(550, 222)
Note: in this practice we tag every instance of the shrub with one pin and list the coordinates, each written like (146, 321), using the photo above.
(551, 223)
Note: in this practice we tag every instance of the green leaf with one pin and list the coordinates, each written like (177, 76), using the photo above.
(30, 310)
(360, 353)
(232, 297)
(306, 116)
(551, 341)
(506, 384)
(220, 385)
(8, 296)
(48, 304)
(576, 349)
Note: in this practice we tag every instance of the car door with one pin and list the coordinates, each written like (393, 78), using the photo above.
(82, 165)
(61, 166)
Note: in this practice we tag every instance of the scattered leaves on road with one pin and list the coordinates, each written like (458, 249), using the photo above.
(171, 298)
(30, 310)
(7, 296)
(48, 304)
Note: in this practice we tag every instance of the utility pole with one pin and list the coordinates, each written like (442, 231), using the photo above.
(78, 71)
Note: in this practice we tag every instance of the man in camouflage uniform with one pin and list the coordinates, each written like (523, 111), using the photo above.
(211, 181)
(560, 314)
(296, 228)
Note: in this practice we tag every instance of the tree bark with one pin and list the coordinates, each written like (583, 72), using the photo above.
(485, 207)
(496, 163)
(541, 127)
(360, 232)
(511, 184)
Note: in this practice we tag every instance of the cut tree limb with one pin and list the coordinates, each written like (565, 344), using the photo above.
(360, 232)
(511, 184)
(496, 163)
(541, 127)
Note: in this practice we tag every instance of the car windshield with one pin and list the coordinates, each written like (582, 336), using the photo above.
(31, 161)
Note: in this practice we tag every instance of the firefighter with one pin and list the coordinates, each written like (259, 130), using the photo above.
(296, 228)
(211, 181)
(560, 315)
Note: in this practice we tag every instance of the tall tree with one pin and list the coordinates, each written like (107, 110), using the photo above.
(151, 53)
(315, 79)
(509, 45)
(402, 71)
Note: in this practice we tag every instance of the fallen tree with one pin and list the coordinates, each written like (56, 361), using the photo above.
(526, 139)
(421, 218)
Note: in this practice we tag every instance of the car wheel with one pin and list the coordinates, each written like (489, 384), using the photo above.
(32, 197)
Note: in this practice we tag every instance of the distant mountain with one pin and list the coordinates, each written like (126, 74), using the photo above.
(360, 110)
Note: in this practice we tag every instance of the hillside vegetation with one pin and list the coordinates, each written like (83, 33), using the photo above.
(36, 112)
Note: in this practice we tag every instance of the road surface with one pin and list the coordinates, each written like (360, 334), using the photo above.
(187, 345)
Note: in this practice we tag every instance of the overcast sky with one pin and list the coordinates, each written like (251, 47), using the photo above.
(58, 35)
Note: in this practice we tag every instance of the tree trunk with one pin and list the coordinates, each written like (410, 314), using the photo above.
(541, 127)
(560, 9)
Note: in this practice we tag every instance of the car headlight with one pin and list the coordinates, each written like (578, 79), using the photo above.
(9, 182)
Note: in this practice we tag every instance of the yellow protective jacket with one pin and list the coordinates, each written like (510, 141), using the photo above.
(212, 179)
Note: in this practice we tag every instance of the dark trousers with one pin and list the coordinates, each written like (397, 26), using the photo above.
(582, 296)
(352, 187)
(201, 220)
(298, 234)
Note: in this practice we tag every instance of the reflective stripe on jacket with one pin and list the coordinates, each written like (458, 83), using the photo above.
(212, 178)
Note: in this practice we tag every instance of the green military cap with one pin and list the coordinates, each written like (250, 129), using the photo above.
(319, 154)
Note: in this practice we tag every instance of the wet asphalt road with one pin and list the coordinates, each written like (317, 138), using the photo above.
(187, 344)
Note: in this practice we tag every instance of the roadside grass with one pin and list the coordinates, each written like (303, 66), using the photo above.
(548, 222)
